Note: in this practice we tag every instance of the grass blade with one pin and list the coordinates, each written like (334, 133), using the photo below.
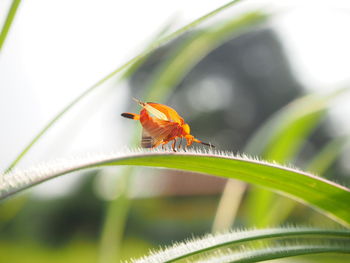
(8, 22)
(280, 251)
(327, 197)
(326, 157)
(297, 119)
(209, 243)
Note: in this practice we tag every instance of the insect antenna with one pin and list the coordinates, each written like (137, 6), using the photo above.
(142, 104)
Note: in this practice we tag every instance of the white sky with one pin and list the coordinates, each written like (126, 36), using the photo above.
(57, 49)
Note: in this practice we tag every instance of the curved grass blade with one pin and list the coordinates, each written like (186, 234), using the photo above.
(299, 117)
(8, 22)
(139, 57)
(327, 197)
(209, 243)
(251, 255)
(134, 67)
(326, 157)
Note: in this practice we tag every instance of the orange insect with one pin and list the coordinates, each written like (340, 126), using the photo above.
(162, 124)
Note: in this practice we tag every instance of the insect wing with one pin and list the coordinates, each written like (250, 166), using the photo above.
(170, 113)
(155, 112)
(147, 140)
(154, 135)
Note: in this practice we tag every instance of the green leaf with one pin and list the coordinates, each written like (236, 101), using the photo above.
(327, 197)
(281, 137)
(214, 244)
(115, 219)
(8, 22)
(278, 251)
(326, 157)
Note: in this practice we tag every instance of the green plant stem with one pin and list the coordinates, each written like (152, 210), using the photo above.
(114, 223)
(8, 22)
(112, 74)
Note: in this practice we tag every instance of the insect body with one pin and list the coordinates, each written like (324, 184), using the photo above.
(161, 124)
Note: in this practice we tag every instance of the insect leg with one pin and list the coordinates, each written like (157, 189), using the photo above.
(163, 144)
(204, 143)
(173, 145)
(157, 144)
(180, 144)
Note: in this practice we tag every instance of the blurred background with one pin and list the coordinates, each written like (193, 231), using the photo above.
(265, 78)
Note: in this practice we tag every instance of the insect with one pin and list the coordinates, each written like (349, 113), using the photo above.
(162, 124)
